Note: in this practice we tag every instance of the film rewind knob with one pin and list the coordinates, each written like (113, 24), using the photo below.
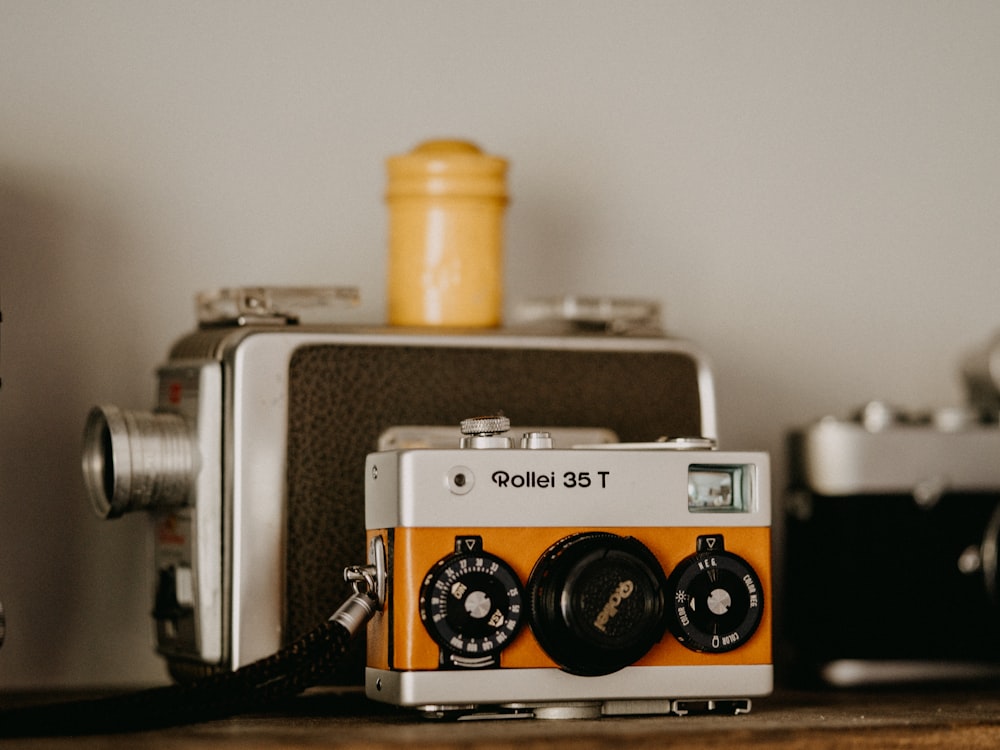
(486, 426)
(486, 432)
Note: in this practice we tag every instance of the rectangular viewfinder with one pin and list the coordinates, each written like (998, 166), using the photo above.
(720, 488)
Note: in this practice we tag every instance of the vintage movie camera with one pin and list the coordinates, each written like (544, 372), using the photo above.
(251, 463)
(610, 579)
(892, 532)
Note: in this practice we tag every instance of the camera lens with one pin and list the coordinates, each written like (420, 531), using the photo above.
(137, 460)
(597, 602)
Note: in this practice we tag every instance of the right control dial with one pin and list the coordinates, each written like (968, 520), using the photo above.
(717, 598)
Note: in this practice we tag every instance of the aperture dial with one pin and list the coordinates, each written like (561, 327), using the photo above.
(470, 604)
(718, 599)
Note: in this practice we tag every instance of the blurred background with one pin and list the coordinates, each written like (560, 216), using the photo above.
(810, 189)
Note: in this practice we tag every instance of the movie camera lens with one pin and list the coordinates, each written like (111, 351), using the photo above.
(470, 604)
(597, 602)
(718, 598)
(137, 460)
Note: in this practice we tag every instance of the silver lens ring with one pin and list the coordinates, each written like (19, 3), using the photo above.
(137, 460)
(988, 555)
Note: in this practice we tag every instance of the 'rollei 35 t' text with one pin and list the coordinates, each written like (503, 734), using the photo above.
(536, 480)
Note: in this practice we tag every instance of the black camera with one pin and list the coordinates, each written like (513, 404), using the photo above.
(892, 533)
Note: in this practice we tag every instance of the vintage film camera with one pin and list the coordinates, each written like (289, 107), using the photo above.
(600, 580)
(892, 531)
(251, 464)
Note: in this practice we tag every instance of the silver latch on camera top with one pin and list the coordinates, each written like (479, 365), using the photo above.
(486, 432)
(662, 444)
(613, 315)
(688, 443)
(275, 305)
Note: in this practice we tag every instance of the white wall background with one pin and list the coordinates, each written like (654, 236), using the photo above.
(812, 189)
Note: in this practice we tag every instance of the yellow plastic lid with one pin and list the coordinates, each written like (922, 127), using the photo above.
(447, 168)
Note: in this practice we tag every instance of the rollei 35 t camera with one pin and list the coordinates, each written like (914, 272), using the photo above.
(892, 536)
(251, 465)
(601, 580)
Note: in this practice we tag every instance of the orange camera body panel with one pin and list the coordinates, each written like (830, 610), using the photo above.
(398, 640)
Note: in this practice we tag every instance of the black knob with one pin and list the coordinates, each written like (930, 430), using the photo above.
(718, 599)
(470, 604)
(597, 602)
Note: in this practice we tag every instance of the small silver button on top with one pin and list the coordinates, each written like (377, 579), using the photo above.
(536, 440)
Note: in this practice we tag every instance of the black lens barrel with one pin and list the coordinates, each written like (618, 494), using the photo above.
(597, 602)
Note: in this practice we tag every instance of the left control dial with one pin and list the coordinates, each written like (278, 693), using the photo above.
(471, 605)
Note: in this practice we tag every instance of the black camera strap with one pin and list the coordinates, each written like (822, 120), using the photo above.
(256, 686)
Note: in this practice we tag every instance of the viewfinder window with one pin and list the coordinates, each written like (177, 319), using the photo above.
(719, 489)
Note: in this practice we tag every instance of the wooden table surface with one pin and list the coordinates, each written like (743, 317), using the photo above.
(957, 718)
